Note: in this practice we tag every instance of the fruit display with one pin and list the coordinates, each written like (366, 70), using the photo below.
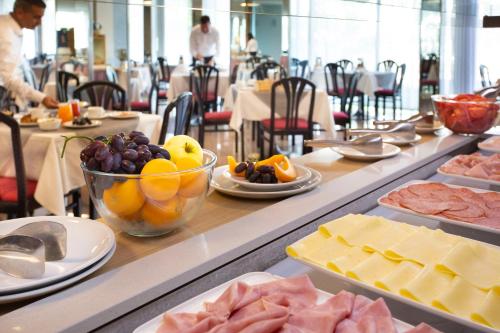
(273, 170)
(142, 188)
(82, 121)
(466, 113)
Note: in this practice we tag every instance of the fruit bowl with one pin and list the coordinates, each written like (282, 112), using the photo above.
(150, 204)
(466, 113)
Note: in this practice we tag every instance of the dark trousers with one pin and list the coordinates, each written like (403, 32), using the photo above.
(206, 60)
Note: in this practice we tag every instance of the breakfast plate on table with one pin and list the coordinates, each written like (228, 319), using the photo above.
(123, 114)
(429, 129)
(28, 124)
(225, 185)
(388, 150)
(400, 141)
(492, 144)
(93, 123)
(103, 116)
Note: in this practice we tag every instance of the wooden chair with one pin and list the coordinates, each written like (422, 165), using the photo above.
(164, 70)
(63, 79)
(152, 104)
(71, 65)
(425, 68)
(393, 93)
(183, 106)
(300, 68)
(102, 93)
(289, 123)
(346, 64)
(44, 78)
(162, 86)
(344, 116)
(485, 76)
(209, 84)
(387, 66)
(260, 73)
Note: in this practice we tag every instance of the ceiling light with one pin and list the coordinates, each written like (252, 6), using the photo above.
(249, 4)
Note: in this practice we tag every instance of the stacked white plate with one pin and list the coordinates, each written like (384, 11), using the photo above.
(224, 182)
(90, 244)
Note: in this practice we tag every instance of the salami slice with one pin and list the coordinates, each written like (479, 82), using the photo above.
(432, 207)
(424, 189)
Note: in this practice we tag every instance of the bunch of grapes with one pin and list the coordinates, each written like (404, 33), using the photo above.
(121, 153)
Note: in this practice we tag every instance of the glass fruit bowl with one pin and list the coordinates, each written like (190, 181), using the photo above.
(466, 113)
(150, 204)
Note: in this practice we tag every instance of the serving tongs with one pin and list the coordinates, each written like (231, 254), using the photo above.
(399, 131)
(369, 144)
(423, 120)
(489, 92)
(23, 252)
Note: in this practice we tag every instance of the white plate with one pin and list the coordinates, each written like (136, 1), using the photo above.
(88, 241)
(429, 130)
(123, 114)
(222, 184)
(484, 144)
(388, 150)
(28, 124)
(4, 299)
(469, 178)
(103, 116)
(95, 123)
(303, 175)
(400, 142)
(434, 217)
(196, 304)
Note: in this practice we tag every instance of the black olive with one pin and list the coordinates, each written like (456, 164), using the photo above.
(240, 167)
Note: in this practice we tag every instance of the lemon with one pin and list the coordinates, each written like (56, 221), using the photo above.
(124, 198)
(159, 187)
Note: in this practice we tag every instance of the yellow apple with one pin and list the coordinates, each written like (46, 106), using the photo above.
(180, 146)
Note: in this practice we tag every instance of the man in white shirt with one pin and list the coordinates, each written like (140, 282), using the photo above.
(252, 45)
(204, 41)
(26, 14)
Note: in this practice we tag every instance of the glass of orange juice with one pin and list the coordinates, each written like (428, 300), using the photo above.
(65, 112)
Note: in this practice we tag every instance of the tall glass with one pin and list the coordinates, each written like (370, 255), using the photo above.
(65, 112)
(75, 107)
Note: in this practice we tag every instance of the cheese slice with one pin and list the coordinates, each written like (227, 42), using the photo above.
(489, 311)
(461, 298)
(353, 257)
(386, 236)
(427, 285)
(344, 225)
(399, 278)
(475, 262)
(306, 245)
(372, 269)
(330, 250)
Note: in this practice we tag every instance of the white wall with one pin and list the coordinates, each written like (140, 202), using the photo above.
(218, 10)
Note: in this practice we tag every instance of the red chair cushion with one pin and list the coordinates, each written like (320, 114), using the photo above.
(8, 189)
(139, 106)
(385, 92)
(280, 123)
(331, 92)
(218, 117)
(162, 94)
(340, 116)
(429, 82)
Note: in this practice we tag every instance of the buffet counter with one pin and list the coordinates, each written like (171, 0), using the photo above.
(229, 237)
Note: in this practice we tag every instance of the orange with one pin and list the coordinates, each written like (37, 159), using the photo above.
(160, 187)
(186, 163)
(161, 213)
(285, 171)
(195, 187)
(124, 198)
(231, 161)
(271, 160)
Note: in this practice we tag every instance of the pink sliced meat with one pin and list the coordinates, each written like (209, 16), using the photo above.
(423, 328)
(432, 207)
(407, 194)
(389, 201)
(299, 291)
(236, 296)
(368, 317)
(425, 188)
(492, 199)
(472, 210)
(189, 322)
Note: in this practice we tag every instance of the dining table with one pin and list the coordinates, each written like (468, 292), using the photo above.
(56, 175)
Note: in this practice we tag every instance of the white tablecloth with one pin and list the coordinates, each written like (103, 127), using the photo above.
(58, 176)
(140, 83)
(179, 82)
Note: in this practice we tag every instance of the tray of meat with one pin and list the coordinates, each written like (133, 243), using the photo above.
(492, 144)
(474, 167)
(459, 205)
(262, 302)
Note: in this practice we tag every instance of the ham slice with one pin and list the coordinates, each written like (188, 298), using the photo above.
(475, 165)
(423, 328)
(432, 207)
(368, 317)
(189, 322)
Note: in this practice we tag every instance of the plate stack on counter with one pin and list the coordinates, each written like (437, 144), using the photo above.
(275, 177)
(39, 255)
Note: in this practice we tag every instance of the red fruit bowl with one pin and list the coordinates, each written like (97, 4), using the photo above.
(466, 113)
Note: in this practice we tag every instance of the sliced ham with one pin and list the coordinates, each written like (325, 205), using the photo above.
(432, 207)
(189, 322)
(426, 188)
(368, 317)
(423, 328)
(475, 165)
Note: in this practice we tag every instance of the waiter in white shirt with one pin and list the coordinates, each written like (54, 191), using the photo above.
(26, 14)
(204, 41)
(252, 45)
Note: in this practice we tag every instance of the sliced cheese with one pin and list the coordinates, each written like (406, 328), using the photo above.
(461, 298)
(308, 244)
(488, 312)
(399, 278)
(330, 250)
(385, 236)
(427, 285)
(353, 257)
(372, 269)
(345, 225)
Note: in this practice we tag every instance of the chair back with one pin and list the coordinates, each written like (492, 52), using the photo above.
(63, 79)
(111, 75)
(183, 108)
(164, 70)
(350, 93)
(44, 78)
(70, 66)
(15, 133)
(6, 102)
(398, 79)
(332, 73)
(485, 76)
(250, 62)
(260, 73)
(293, 88)
(109, 95)
(300, 68)
(387, 66)
(346, 64)
(207, 78)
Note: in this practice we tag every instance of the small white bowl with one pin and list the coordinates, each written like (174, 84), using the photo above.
(49, 124)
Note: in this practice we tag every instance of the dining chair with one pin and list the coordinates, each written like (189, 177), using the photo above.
(63, 79)
(250, 62)
(234, 74)
(300, 68)
(183, 106)
(71, 65)
(346, 64)
(425, 69)
(261, 71)
(387, 66)
(152, 104)
(164, 70)
(394, 93)
(111, 75)
(209, 84)
(285, 120)
(109, 95)
(485, 76)
(44, 78)
(6, 102)
(344, 116)
(162, 86)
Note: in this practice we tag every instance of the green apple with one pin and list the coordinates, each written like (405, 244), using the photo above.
(181, 146)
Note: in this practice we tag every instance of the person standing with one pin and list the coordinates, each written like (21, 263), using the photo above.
(26, 14)
(252, 45)
(204, 41)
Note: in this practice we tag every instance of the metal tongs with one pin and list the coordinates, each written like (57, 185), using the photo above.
(423, 120)
(489, 92)
(23, 252)
(368, 144)
(401, 131)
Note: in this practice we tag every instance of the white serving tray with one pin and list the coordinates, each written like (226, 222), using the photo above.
(482, 145)
(434, 217)
(196, 304)
(469, 178)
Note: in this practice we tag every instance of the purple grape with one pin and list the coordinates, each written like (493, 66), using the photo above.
(100, 138)
(107, 164)
(92, 147)
(165, 153)
(92, 164)
(141, 140)
(101, 153)
(154, 148)
(117, 160)
(130, 154)
(144, 154)
(128, 166)
(139, 165)
(158, 155)
(131, 145)
(117, 143)
(133, 134)
(83, 156)
(142, 147)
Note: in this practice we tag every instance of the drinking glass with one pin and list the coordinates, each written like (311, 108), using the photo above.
(65, 112)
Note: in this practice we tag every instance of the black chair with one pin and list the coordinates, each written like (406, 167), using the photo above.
(63, 79)
(393, 93)
(289, 123)
(44, 78)
(162, 86)
(234, 74)
(209, 84)
(425, 68)
(111, 75)
(6, 102)
(164, 70)
(300, 68)
(152, 104)
(251, 62)
(102, 93)
(485, 76)
(344, 116)
(76, 65)
(260, 73)
(387, 66)
(346, 64)
(183, 106)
